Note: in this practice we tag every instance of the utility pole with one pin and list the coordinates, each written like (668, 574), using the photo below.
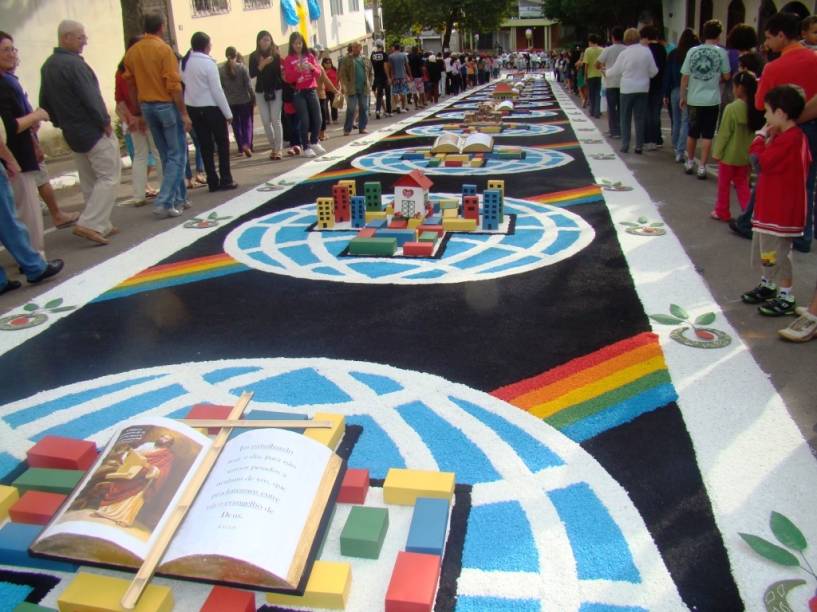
(376, 24)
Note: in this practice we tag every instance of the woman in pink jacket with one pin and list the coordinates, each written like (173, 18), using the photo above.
(301, 70)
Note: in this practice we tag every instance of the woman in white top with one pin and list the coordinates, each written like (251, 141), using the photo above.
(209, 111)
(636, 66)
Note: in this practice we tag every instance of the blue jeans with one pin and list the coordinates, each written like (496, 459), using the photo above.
(594, 91)
(633, 109)
(166, 126)
(680, 122)
(353, 102)
(613, 110)
(14, 235)
(188, 173)
(309, 114)
(810, 130)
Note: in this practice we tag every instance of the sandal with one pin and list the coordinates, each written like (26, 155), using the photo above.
(71, 219)
(150, 192)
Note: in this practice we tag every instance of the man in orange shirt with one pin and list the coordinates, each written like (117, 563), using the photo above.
(152, 73)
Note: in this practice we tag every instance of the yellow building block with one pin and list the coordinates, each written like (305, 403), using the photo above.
(8, 497)
(328, 436)
(403, 487)
(497, 184)
(449, 203)
(477, 163)
(491, 129)
(449, 213)
(390, 210)
(459, 225)
(375, 215)
(414, 223)
(441, 155)
(95, 593)
(350, 184)
(327, 587)
(462, 158)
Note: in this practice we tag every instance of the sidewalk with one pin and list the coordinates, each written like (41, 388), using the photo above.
(723, 260)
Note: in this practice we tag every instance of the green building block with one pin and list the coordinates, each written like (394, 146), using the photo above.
(373, 246)
(372, 191)
(433, 162)
(30, 607)
(46, 479)
(364, 532)
(428, 237)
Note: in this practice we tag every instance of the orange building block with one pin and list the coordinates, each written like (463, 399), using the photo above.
(36, 507)
(452, 163)
(413, 583)
(418, 249)
(62, 453)
(223, 599)
(398, 224)
(209, 411)
(366, 232)
(354, 487)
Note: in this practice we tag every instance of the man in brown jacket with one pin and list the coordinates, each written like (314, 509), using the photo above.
(356, 76)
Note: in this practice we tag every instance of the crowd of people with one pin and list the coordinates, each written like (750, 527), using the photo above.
(163, 98)
(751, 105)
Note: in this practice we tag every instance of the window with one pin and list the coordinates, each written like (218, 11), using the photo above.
(336, 7)
(205, 8)
(354, 6)
(251, 5)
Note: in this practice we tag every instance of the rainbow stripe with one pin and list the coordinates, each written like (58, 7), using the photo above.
(605, 389)
(571, 197)
(333, 175)
(178, 273)
(570, 144)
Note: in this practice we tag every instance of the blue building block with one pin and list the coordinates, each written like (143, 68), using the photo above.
(358, 211)
(402, 236)
(468, 189)
(495, 196)
(15, 538)
(377, 223)
(428, 523)
(412, 156)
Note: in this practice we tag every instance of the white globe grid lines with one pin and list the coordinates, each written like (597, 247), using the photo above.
(282, 245)
(534, 114)
(532, 129)
(516, 104)
(557, 581)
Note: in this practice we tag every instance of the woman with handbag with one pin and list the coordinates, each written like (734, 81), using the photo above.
(301, 70)
(325, 89)
(265, 67)
(235, 80)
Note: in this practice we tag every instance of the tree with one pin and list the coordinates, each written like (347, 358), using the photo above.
(401, 16)
(592, 16)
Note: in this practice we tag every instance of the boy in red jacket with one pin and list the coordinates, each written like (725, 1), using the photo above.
(781, 150)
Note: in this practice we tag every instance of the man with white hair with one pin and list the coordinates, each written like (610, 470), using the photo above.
(69, 91)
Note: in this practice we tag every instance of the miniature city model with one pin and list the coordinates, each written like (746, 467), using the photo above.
(415, 223)
(504, 91)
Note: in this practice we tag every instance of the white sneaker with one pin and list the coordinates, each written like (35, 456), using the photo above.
(318, 148)
(679, 157)
(701, 172)
(689, 166)
(310, 152)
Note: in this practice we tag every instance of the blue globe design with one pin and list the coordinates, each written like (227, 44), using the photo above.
(526, 129)
(391, 161)
(280, 243)
(533, 114)
(547, 524)
(515, 105)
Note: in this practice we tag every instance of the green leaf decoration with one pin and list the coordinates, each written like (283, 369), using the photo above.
(705, 319)
(775, 596)
(787, 532)
(642, 220)
(656, 224)
(770, 551)
(629, 224)
(679, 312)
(53, 303)
(215, 215)
(63, 309)
(665, 319)
(31, 307)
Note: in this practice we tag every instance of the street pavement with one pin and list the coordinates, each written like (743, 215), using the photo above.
(719, 256)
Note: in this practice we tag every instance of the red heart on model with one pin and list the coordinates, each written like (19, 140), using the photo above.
(408, 192)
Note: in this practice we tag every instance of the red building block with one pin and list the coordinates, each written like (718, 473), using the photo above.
(342, 197)
(400, 223)
(431, 228)
(35, 507)
(453, 163)
(62, 454)
(222, 599)
(209, 411)
(418, 249)
(367, 232)
(354, 487)
(470, 207)
(413, 583)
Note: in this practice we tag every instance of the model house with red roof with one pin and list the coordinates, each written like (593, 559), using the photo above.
(411, 194)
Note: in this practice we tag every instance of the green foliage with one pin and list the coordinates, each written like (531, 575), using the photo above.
(770, 551)
(677, 311)
(787, 532)
(665, 319)
(705, 319)
(589, 16)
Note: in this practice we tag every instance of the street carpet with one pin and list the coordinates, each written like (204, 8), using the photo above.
(610, 434)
